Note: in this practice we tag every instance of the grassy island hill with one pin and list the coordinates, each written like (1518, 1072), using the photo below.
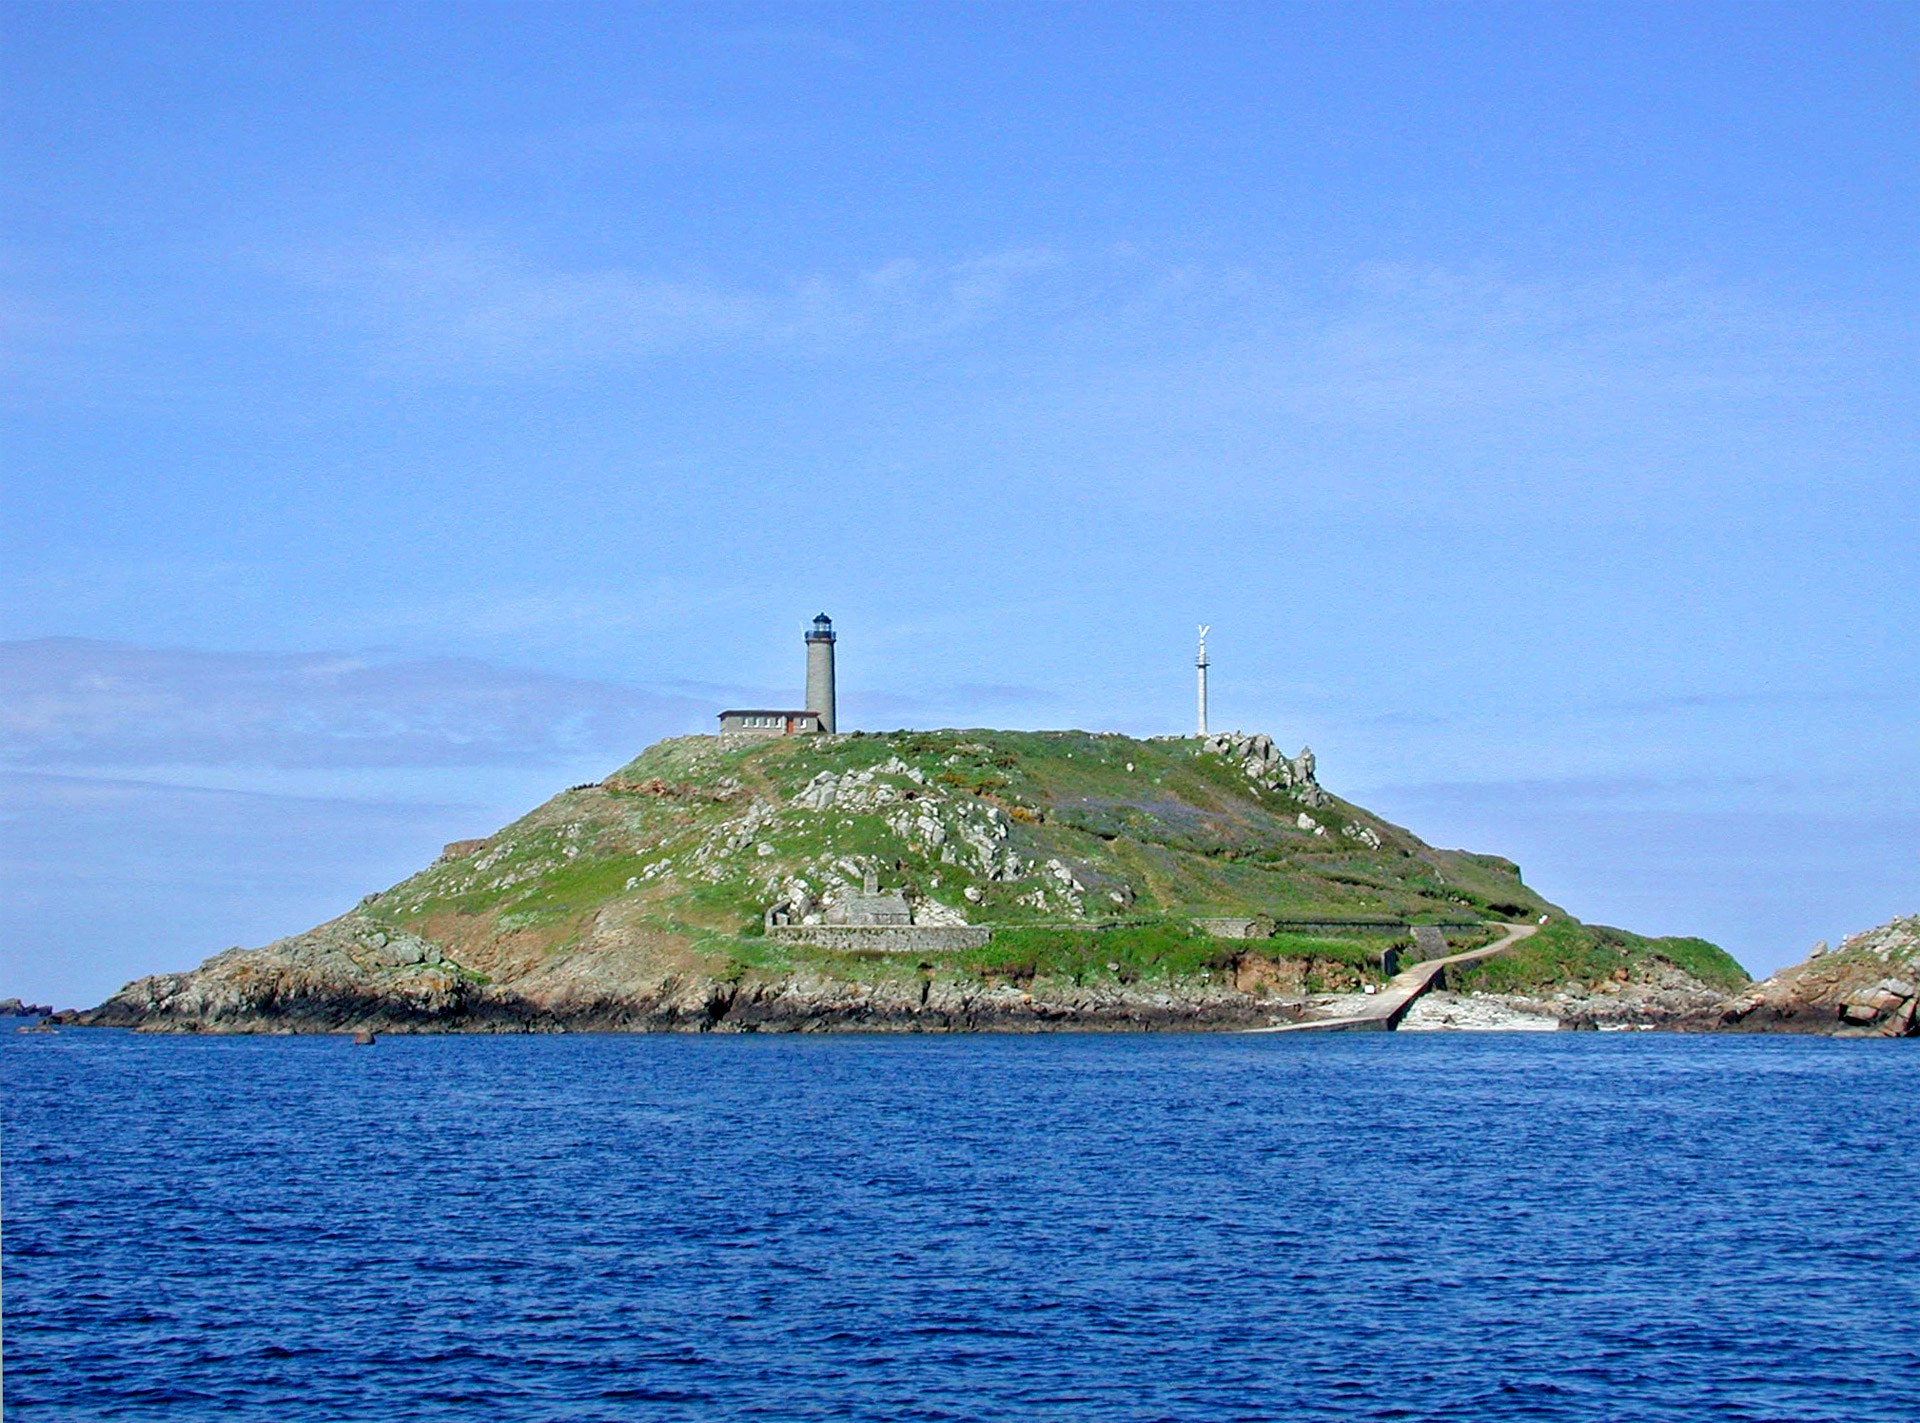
(643, 899)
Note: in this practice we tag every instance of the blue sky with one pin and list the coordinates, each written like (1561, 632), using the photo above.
(413, 409)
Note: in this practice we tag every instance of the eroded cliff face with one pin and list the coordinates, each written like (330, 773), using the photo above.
(353, 975)
(357, 973)
(1868, 987)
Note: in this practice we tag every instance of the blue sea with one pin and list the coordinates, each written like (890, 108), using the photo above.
(1379, 1226)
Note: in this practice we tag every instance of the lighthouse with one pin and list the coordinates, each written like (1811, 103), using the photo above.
(820, 671)
(816, 716)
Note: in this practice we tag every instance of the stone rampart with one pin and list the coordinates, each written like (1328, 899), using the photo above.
(890, 939)
(1258, 926)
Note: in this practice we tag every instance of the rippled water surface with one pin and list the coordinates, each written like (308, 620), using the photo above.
(1563, 1226)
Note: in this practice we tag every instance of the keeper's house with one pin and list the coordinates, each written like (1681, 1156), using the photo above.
(768, 723)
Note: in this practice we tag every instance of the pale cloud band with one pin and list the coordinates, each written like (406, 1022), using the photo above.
(71, 702)
(464, 304)
(1369, 340)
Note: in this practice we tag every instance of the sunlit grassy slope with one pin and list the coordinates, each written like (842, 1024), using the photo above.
(1087, 854)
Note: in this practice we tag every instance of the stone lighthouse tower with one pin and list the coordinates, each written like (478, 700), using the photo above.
(820, 671)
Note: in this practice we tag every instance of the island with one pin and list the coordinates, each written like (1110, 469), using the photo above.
(951, 880)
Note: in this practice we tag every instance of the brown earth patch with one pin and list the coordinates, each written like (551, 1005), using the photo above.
(1264, 977)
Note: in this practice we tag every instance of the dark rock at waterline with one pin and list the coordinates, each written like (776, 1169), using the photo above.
(1867, 987)
(261, 996)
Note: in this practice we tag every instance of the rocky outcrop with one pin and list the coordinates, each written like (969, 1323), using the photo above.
(1266, 766)
(804, 1003)
(345, 972)
(1650, 994)
(14, 1008)
(336, 980)
(1868, 987)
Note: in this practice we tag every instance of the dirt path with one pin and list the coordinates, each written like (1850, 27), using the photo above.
(1385, 1009)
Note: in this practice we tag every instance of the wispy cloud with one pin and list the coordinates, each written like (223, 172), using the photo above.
(476, 305)
(69, 702)
(1121, 336)
(1379, 346)
(1411, 335)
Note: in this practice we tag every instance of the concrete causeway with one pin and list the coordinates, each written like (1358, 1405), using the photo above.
(1385, 1009)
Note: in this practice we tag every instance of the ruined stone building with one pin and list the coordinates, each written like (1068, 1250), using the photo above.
(872, 908)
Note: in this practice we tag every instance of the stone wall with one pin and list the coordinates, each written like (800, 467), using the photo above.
(1259, 926)
(902, 939)
(872, 910)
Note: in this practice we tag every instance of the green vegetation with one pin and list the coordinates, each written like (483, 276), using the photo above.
(1127, 952)
(1088, 854)
(1566, 951)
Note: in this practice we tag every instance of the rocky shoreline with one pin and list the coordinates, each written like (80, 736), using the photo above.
(348, 976)
(1867, 987)
(799, 1003)
(353, 975)
(344, 977)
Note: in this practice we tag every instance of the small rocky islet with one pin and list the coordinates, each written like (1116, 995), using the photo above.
(969, 880)
(1869, 986)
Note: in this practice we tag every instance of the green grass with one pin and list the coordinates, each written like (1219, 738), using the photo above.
(1173, 831)
(1145, 951)
(1566, 951)
(1706, 961)
(1140, 951)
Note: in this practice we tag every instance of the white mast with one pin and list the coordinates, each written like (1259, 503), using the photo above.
(1201, 664)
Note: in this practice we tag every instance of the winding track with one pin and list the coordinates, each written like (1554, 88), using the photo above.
(1387, 1007)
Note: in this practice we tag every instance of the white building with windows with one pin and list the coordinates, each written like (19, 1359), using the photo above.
(768, 723)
